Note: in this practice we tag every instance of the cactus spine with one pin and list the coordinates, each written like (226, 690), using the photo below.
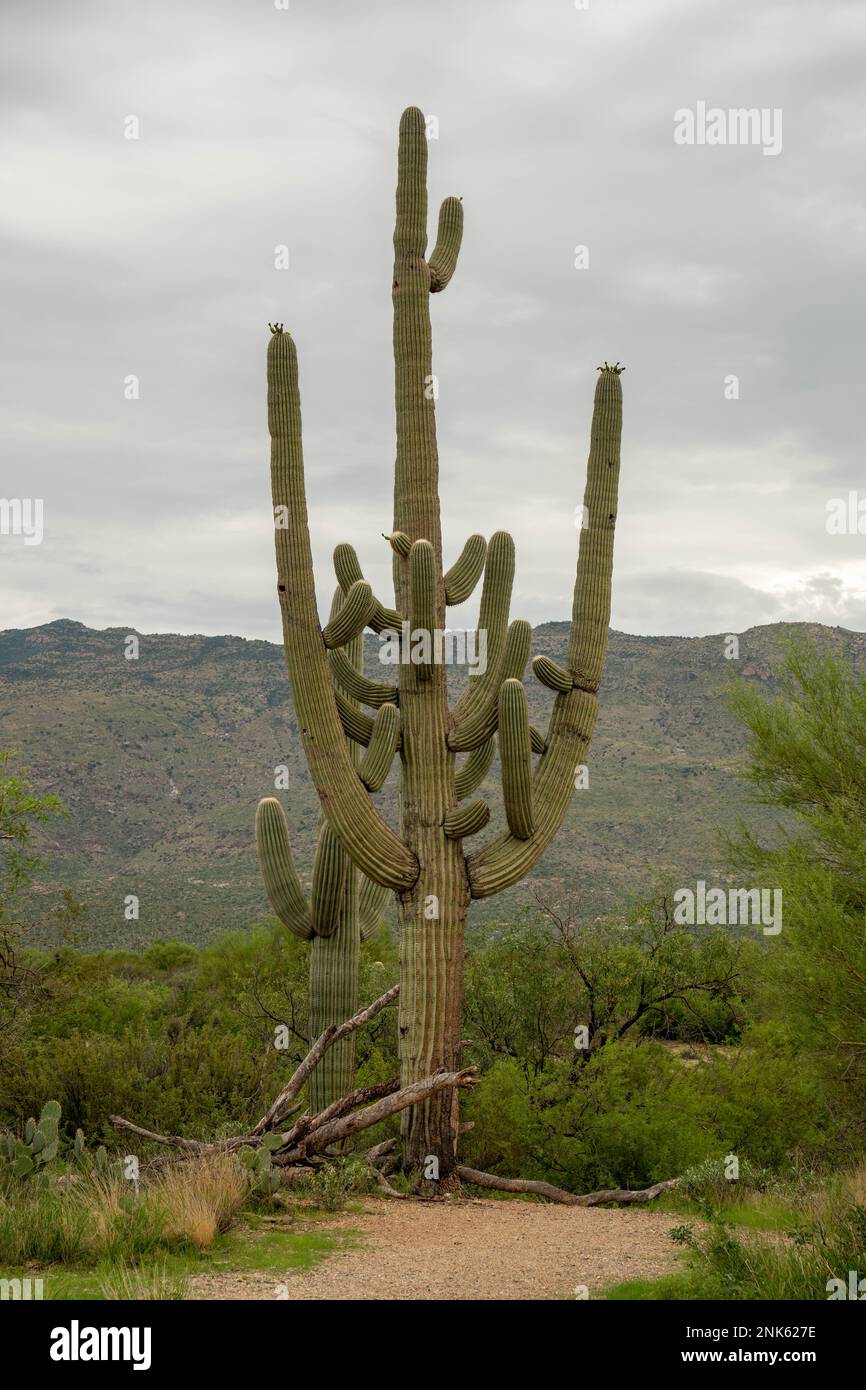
(426, 866)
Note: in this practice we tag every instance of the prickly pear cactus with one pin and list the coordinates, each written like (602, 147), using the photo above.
(264, 1177)
(27, 1157)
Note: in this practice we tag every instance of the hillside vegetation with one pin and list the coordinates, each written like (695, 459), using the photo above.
(162, 760)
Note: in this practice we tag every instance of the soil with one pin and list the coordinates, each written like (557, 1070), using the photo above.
(469, 1249)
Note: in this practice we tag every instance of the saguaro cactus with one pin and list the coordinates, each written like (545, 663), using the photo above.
(426, 865)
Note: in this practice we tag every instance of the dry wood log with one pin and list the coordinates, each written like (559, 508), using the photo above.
(347, 1125)
(308, 1123)
(276, 1112)
(380, 1152)
(624, 1195)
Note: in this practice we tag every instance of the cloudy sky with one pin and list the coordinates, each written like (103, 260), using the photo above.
(261, 127)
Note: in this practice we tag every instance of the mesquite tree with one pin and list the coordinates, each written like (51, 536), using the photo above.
(444, 752)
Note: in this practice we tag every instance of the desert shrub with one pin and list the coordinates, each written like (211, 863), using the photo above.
(815, 1261)
(332, 1186)
(708, 1181)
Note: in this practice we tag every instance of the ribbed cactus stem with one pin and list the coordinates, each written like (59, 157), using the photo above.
(358, 686)
(466, 571)
(515, 755)
(469, 777)
(551, 675)
(281, 881)
(467, 820)
(590, 614)
(352, 617)
(347, 568)
(507, 859)
(329, 882)
(481, 725)
(334, 997)
(376, 763)
(422, 593)
(345, 801)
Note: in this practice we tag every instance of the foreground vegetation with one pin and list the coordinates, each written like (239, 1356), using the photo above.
(612, 1053)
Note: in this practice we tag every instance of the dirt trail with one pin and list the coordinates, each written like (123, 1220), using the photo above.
(471, 1250)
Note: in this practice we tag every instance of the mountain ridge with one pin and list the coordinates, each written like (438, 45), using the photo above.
(162, 760)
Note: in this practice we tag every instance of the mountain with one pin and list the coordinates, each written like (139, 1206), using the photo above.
(161, 761)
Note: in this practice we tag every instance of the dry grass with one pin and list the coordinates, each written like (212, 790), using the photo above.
(202, 1197)
(855, 1183)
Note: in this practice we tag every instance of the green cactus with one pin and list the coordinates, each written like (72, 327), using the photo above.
(28, 1158)
(264, 1177)
(426, 866)
(344, 909)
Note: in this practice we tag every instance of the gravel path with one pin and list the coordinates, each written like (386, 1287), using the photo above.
(471, 1249)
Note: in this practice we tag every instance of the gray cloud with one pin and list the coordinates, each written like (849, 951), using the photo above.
(261, 127)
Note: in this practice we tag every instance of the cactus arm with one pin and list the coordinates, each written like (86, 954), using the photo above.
(422, 594)
(370, 842)
(352, 618)
(466, 820)
(347, 568)
(329, 882)
(516, 757)
(464, 574)
(492, 619)
(551, 674)
(399, 543)
(448, 238)
(281, 881)
(374, 900)
(358, 686)
(481, 725)
(376, 763)
(537, 739)
(506, 860)
(357, 725)
(469, 777)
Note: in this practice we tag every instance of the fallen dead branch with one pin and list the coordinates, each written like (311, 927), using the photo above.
(624, 1195)
(313, 1138)
(337, 1130)
(315, 1135)
(276, 1112)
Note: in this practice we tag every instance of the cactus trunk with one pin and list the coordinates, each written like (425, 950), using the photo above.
(433, 914)
(334, 997)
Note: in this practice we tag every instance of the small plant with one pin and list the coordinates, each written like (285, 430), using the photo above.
(333, 1184)
(136, 1283)
(264, 1177)
(28, 1157)
(682, 1235)
(707, 1182)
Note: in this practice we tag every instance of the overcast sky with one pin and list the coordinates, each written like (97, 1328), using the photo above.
(261, 127)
